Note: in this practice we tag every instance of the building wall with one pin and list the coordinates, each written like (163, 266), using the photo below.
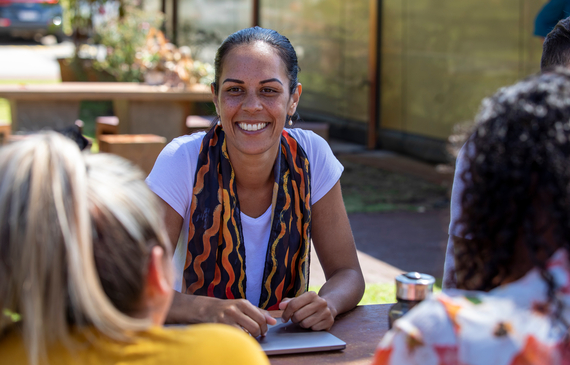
(331, 40)
(440, 58)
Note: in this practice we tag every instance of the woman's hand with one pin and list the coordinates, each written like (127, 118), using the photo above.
(309, 311)
(239, 313)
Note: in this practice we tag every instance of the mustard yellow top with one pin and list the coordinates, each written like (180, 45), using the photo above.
(189, 345)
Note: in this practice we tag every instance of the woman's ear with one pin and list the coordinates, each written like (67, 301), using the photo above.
(295, 99)
(158, 287)
(214, 97)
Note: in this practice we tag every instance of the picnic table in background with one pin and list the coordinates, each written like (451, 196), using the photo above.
(141, 108)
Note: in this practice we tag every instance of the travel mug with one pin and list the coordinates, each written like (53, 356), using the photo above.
(411, 288)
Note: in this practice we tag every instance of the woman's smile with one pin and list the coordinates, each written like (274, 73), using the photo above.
(254, 100)
(252, 127)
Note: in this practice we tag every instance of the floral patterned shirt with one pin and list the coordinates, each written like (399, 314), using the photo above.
(510, 325)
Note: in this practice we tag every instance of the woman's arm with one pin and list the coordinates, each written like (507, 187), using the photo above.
(334, 244)
(188, 308)
(173, 222)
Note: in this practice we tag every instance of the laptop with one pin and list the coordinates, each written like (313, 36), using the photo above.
(290, 338)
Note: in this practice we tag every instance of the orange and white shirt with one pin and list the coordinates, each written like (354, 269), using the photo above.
(509, 325)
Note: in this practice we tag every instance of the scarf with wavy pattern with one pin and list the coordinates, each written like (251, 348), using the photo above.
(215, 259)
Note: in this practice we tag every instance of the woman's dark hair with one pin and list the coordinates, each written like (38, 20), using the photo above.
(258, 34)
(517, 186)
(556, 46)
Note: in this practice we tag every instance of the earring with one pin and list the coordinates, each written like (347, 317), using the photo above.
(290, 120)
(219, 121)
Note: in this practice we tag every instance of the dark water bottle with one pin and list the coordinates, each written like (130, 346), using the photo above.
(411, 288)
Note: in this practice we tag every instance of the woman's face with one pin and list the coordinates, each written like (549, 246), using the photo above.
(254, 99)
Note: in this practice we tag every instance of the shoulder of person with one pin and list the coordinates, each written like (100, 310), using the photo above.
(305, 135)
(175, 160)
(431, 313)
(429, 322)
(188, 143)
(216, 344)
(311, 142)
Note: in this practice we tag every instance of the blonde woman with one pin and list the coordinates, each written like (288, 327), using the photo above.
(85, 274)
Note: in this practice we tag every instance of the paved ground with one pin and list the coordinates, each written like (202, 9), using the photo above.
(27, 60)
(390, 243)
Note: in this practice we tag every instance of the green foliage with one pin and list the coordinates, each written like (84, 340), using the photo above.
(15, 317)
(78, 18)
(89, 110)
(379, 294)
(473, 299)
(382, 293)
(124, 38)
(5, 111)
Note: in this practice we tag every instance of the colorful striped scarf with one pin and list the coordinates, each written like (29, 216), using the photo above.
(215, 260)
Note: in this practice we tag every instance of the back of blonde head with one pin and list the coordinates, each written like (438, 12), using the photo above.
(47, 268)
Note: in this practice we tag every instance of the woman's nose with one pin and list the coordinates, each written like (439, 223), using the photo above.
(252, 103)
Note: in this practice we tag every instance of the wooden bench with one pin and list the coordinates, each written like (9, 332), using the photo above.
(106, 125)
(141, 149)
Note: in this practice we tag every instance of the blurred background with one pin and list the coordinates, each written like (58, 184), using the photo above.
(390, 74)
(386, 82)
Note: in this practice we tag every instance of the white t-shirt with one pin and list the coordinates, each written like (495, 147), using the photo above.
(172, 179)
(461, 165)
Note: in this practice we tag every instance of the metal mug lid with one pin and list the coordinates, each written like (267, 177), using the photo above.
(414, 286)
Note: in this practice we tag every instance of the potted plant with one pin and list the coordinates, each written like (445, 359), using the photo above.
(79, 19)
(137, 51)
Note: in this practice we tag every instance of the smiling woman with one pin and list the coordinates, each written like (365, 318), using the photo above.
(245, 199)
(250, 96)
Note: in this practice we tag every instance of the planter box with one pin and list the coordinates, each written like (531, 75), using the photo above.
(77, 69)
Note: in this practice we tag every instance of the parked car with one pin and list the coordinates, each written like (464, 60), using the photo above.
(31, 18)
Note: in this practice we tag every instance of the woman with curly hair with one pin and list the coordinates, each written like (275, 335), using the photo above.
(513, 272)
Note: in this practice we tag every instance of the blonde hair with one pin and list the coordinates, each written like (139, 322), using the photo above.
(52, 198)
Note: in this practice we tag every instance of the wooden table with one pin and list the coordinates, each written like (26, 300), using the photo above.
(361, 329)
(142, 109)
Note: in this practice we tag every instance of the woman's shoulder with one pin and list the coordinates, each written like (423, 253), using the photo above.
(315, 146)
(187, 143)
(454, 304)
(201, 344)
(465, 314)
(210, 344)
(175, 166)
(306, 138)
(427, 318)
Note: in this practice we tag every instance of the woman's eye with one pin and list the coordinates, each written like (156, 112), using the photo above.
(234, 89)
(267, 90)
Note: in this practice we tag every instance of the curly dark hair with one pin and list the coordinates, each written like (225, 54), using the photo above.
(517, 186)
